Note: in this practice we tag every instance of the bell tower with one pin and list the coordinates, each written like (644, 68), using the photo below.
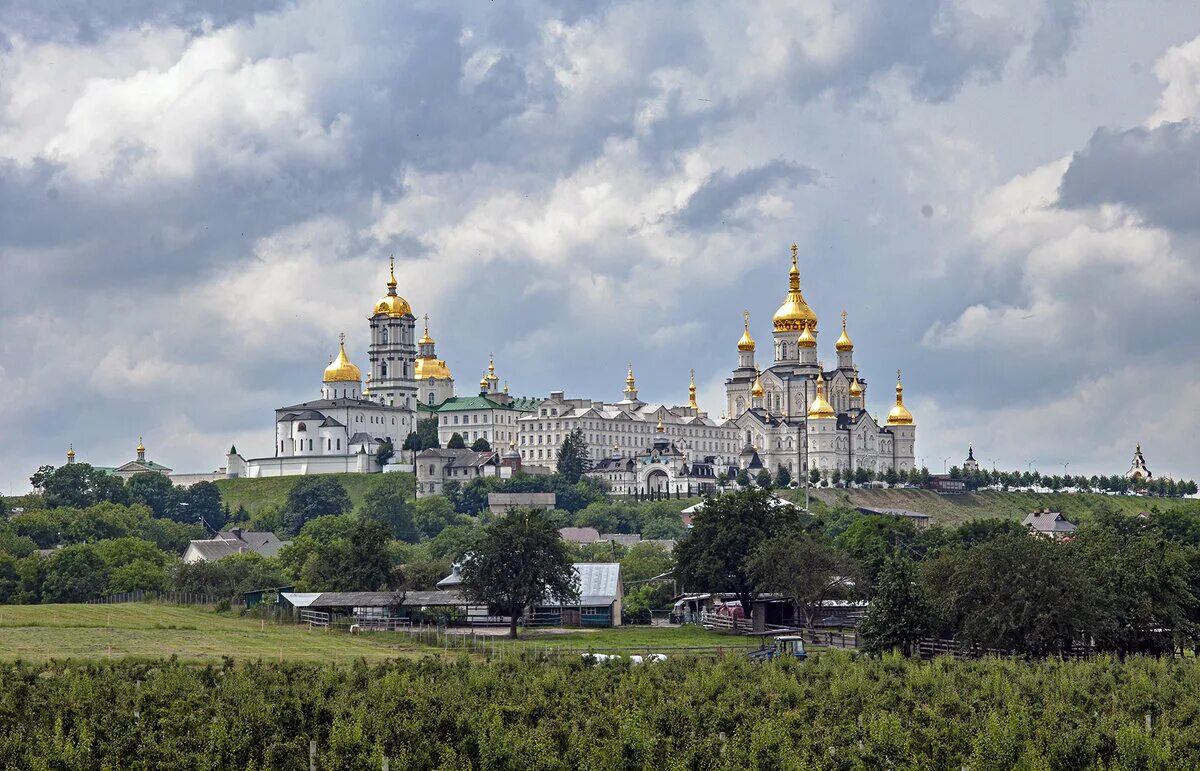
(393, 350)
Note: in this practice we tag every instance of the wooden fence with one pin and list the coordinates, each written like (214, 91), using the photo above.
(166, 598)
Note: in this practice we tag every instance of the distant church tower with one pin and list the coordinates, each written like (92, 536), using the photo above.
(1138, 470)
(393, 349)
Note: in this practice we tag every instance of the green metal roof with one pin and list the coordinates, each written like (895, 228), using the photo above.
(462, 403)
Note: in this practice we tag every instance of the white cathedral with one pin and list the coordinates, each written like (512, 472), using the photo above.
(795, 414)
(798, 415)
(342, 430)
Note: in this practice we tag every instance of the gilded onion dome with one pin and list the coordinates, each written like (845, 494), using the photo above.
(392, 304)
(70, 451)
(425, 338)
(806, 339)
(483, 383)
(844, 343)
(692, 392)
(794, 314)
(491, 375)
(141, 448)
(756, 390)
(629, 381)
(899, 416)
(660, 427)
(431, 369)
(856, 391)
(340, 370)
(747, 342)
(820, 408)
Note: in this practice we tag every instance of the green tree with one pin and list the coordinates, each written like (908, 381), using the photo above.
(814, 476)
(202, 502)
(73, 574)
(574, 460)
(713, 556)
(897, 617)
(802, 568)
(743, 478)
(645, 560)
(872, 539)
(229, 577)
(861, 477)
(763, 479)
(434, 514)
(891, 477)
(390, 501)
(76, 485)
(518, 561)
(783, 477)
(481, 445)
(427, 433)
(836, 477)
(357, 563)
(155, 491)
(138, 575)
(314, 496)
(384, 452)
(456, 442)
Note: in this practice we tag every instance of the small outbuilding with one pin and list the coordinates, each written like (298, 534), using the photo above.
(599, 602)
(1051, 524)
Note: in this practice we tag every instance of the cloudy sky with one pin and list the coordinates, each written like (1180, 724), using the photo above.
(1004, 195)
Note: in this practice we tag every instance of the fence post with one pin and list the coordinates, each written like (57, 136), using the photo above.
(312, 755)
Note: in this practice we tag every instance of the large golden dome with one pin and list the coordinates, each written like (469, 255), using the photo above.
(432, 369)
(899, 416)
(747, 342)
(794, 314)
(820, 408)
(392, 304)
(340, 370)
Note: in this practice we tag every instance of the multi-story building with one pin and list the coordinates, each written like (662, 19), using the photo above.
(491, 415)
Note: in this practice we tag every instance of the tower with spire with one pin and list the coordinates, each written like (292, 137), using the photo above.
(631, 391)
(1138, 469)
(392, 351)
(435, 384)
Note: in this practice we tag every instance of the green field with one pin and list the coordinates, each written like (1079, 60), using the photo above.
(148, 630)
(955, 509)
(259, 495)
(196, 634)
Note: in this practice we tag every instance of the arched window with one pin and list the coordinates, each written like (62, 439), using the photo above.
(383, 369)
(301, 427)
(383, 337)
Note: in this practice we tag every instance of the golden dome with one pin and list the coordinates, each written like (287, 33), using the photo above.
(392, 304)
(71, 451)
(844, 343)
(660, 427)
(491, 375)
(819, 407)
(794, 314)
(747, 342)
(692, 392)
(340, 370)
(425, 338)
(629, 378)
(431, 369)
(483, 383)
(856, 391)
(899, 416)
(756, 390)
(806, 339)
(141, 448)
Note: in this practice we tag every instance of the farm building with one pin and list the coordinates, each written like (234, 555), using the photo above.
(384, 610)
(233, 541)
(599, 599)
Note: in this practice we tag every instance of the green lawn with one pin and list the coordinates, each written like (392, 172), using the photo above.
(271, 492)
(953, 510)
(147, 630)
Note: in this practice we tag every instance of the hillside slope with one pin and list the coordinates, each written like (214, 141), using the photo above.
(260, 495)
(956, 509)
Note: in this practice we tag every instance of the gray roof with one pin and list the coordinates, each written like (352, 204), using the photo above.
(265, 543)
(461, 458)
(579, 534)
(599, 582)
(522, 499)
(371, 599)
(214, 549)
(625, 539)
(1048, 522)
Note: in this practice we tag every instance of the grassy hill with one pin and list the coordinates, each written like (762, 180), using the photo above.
(259, 495)
(955, 509)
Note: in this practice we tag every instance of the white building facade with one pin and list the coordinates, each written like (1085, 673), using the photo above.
(797, 414)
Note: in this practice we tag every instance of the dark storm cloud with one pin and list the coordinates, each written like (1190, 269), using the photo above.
(83, 21)
(1155, 171)
(707, 208)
